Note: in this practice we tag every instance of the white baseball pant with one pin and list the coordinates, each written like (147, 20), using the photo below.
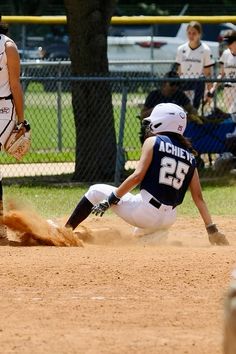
(7, 119)
(135, 209)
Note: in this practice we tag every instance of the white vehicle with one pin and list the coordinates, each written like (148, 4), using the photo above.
(141, 49)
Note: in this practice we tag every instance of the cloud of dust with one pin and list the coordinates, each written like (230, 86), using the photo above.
(108, 236)
(29, 228)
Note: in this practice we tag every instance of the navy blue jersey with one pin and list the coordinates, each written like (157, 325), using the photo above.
(170, 171)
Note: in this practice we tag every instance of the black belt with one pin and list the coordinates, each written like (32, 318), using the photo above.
(7, 97)
(155, 203)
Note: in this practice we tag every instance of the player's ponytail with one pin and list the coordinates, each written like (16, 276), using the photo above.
(183, 141)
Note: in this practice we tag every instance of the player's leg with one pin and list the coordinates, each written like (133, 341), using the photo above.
(3, 230)
(138, 210)
(134, 209)
(7, 121)
(94, 195)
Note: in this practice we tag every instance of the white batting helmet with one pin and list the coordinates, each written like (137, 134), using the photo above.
(166, 117)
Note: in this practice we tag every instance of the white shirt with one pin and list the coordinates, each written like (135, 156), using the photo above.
(229, 62)
(4, 77)
(193, 61)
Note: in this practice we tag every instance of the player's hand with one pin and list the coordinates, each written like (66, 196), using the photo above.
(100, 208)
(218, 239)
(23, 126)
(215, 237)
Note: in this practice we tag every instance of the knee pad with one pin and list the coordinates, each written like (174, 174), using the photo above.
(96, 193)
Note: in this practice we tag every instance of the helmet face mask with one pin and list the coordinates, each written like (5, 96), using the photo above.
(149, 129)
(165, 117)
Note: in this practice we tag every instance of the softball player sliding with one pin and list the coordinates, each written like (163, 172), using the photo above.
(166, 169)
(194, 59)
(11, 98)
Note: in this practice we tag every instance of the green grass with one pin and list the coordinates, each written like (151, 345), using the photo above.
(59, 201)
(41, 109)
(220, 201)
(48, 201)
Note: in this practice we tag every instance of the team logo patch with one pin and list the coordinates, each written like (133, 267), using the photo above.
(4, 110)
(182, 115)
(180, 128)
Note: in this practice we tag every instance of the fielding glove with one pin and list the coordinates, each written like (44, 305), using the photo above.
(100, 208)
(216, 237)
(19, 141)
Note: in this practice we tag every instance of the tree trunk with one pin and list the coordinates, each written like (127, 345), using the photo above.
(88, 23)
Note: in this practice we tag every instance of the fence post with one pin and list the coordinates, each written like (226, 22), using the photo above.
(120, 158)
(59, 110)
(23, 40)
(215, 77)
(152, 48)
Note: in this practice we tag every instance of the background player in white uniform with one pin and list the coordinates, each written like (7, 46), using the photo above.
(11, 96)
(194, 59)
(228, 70)
(166, 169)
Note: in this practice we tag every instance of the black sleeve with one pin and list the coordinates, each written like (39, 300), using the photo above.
(152, 99)
(183, 100)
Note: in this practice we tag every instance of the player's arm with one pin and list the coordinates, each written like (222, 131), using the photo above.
(215, 237)
(137, 176)
(130, 182)
(177, 68)
(13, 64)
(196, 192)
(208, 74)
(178, 60)
(211, 91)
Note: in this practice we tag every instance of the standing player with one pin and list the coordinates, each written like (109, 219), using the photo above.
(228, 70)
(166, 169)
(194, 60)
(11, 98)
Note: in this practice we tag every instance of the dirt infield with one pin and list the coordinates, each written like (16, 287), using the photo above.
(115, 295)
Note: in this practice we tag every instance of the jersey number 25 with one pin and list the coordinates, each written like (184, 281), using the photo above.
(172, 172)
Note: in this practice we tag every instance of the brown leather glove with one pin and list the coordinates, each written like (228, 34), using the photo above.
(215, 237)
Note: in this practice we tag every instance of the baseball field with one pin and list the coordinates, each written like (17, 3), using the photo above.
(117, 294)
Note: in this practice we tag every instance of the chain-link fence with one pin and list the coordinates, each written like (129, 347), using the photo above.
(48, 107)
